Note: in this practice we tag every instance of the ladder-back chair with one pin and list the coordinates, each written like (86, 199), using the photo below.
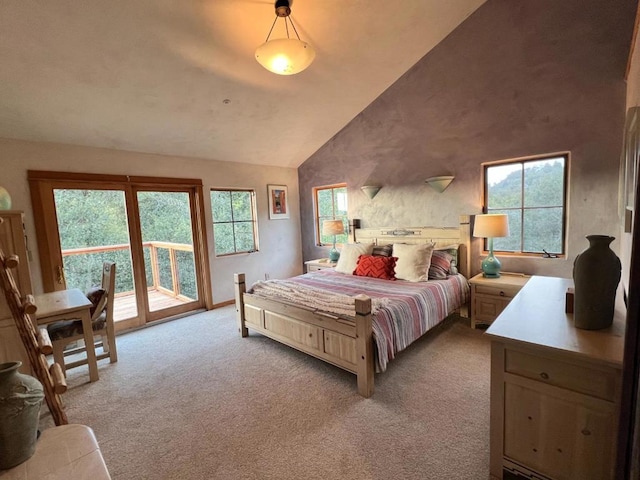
(66, 332)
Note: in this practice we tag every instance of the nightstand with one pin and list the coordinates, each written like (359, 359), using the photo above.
(319, 264)
(490, 296)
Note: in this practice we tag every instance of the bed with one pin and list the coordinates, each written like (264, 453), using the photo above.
(375, 326)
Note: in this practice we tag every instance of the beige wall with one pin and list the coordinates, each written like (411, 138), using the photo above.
(280, 249)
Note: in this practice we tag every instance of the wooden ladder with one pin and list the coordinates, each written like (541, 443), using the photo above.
(36, 341)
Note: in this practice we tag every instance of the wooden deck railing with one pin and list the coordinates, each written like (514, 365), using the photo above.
(154, 247)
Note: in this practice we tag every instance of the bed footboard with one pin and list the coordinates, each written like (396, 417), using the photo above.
(343, 342)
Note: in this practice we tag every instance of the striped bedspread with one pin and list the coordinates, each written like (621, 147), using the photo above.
(407, 310)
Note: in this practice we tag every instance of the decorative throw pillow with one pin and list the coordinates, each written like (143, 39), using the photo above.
(440, 265)
(376, 267)
(98, 298)
(413, 261)
(349, 256)
(382, 250)
(453, 251)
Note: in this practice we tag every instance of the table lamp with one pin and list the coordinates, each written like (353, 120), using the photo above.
(333, 227)
(489, 226)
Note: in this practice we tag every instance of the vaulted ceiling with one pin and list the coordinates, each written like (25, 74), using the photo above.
(178, 77)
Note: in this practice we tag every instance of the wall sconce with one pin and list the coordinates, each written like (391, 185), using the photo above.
(440, 183)
(370, 190)
(285, 56)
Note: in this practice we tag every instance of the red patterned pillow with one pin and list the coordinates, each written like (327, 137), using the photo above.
(376, 267)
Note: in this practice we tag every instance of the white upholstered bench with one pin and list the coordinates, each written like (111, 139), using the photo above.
(65, 452)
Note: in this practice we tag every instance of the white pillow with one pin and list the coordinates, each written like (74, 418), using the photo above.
(413, 261)
(349, 256)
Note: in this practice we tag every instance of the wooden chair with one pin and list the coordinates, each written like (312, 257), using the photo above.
(64, 333)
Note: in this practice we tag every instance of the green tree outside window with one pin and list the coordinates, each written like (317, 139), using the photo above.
(532, 193)
(331, 204)
(234, 224)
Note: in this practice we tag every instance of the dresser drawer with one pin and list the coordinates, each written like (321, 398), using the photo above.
(503, 291)
(488, 308)
(598, 383)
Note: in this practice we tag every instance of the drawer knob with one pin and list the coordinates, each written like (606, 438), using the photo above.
(544, 375)
(501, 293)
(586, 432)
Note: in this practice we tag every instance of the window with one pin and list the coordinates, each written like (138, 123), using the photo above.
(234, 221)
(532, 193)
(330, 204)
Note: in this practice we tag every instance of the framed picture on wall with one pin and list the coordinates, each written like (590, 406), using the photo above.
(278, 202)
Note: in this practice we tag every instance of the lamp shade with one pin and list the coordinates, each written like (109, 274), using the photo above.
(285, 56)
(491, 225)
(332, 227)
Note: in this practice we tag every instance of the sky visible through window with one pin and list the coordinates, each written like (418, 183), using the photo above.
(497, 173)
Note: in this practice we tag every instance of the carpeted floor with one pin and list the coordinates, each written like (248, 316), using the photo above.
(191, 399)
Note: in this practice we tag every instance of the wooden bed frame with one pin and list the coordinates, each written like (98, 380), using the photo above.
(344, 342)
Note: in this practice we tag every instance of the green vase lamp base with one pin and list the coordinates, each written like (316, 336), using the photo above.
(334, 255)
(491, 267)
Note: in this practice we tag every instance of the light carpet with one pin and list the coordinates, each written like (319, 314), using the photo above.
(191, 399)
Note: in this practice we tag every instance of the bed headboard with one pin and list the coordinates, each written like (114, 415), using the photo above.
(441, 236)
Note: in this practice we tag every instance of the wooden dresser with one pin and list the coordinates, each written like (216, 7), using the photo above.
(490, 296)
(13, 241)
(320, 264)
(555, 389)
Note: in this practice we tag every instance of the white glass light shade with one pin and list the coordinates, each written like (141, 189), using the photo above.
(491, 225)
(285, 56)
(440, 183)
(371, 190)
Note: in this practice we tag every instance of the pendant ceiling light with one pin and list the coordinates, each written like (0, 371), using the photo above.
(285, 56)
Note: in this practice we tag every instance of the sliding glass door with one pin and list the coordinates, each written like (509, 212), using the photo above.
(151, 228)
(167, 244)
(93, 228)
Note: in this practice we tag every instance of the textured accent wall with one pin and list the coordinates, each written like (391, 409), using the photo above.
(517, 78)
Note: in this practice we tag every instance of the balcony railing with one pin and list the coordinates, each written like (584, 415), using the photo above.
(155, 274)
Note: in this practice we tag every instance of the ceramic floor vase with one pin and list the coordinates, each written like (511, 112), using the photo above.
(596, 274)
(20, 400)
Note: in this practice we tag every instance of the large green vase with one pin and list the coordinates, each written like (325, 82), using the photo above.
(5, 199)
(596, 274)
(20, 399)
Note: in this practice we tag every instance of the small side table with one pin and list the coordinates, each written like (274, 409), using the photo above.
(490, 296)
(319, 264)
(67, 305)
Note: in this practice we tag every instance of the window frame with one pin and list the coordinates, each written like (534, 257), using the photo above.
(565, 195)
(318, 226)
(253, 221)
